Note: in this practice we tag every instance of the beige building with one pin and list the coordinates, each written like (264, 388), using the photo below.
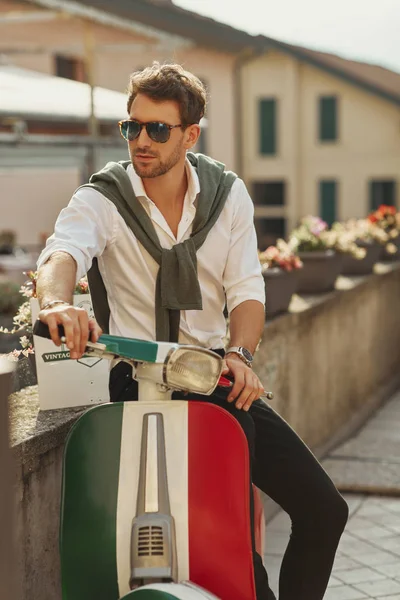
(105, 41)
(309, 132)
(320, 134)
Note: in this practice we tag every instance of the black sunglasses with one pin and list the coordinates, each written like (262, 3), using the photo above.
(156, 130)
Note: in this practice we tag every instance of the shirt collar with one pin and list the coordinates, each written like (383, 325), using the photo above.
(193, 184)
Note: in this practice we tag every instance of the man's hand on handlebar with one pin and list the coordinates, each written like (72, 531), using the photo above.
(77, 327)
(247, 387)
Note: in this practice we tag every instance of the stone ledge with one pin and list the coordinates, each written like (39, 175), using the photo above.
(34, 432)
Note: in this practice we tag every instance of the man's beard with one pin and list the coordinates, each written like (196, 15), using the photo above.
(161, 167)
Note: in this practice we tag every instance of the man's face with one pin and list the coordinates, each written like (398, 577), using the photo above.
(149, 158)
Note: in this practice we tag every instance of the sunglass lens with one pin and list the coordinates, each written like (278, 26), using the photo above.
(130, 130)
(158, 132)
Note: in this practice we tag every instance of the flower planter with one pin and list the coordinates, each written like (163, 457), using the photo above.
(320, 271)
(365, 266)
(280, 286)
(385, 256)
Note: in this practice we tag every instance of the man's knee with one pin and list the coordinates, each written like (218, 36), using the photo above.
(326, 516)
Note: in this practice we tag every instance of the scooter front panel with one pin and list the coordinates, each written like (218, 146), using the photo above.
(208, 486)
(220, 551)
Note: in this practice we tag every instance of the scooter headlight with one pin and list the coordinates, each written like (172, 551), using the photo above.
(193, 369)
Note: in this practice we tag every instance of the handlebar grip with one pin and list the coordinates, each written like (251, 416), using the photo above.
(42, 330)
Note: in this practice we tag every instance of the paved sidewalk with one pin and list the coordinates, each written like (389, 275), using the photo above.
(368, 559)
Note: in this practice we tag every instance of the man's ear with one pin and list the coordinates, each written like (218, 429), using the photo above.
(192, 134)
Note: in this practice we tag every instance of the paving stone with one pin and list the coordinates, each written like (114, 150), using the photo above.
(351, 544)
(281, 523)
(334, 581)
(276, 542)
(344, 563)
(391, 544)
(354, 502)
(392, 570)
(360, 575)
(374, 533)
(344, 592)
(379, 588)
(372, 446)
(363, 475)
(380, 557)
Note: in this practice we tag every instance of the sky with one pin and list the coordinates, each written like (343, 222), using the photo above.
(367, 30)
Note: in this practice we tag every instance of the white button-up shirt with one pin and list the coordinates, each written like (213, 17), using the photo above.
(228, 266)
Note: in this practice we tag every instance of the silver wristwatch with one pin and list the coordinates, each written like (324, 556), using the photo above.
(244, 354)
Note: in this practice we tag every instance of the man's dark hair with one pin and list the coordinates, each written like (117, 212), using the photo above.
(170, 82)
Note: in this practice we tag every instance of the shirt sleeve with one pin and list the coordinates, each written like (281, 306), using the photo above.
(242, 278)
(83, 229)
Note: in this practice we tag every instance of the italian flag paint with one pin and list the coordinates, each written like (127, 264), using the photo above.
(208, 484)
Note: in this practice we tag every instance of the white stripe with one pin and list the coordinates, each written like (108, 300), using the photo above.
(151, 494)
(176, 441)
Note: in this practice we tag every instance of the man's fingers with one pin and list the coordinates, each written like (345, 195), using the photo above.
(95, 330)
(52, 324)
(258, 390)
(69, 332)
(247, 391)
(83, 330)
(237, 386)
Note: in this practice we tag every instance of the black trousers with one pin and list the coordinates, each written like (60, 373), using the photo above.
(285, 469)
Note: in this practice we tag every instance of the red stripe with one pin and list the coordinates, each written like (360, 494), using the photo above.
(220, 556)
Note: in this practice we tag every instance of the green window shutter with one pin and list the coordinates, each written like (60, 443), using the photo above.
(382, 192)
(267, 121)
(327, 201)
(328, 118)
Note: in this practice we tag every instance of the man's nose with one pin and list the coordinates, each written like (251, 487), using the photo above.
(144, 139)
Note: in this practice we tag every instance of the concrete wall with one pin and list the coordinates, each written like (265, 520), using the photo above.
(368, 146)
(324, 363)
(327, 361)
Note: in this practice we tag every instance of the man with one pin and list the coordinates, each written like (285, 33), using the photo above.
(169, 238)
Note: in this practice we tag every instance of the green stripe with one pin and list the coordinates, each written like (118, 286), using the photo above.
(89, 506)
(130, 347)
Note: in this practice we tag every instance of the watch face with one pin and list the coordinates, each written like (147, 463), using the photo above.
(248, 356)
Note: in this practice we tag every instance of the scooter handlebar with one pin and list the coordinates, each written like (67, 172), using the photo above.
(42, 330)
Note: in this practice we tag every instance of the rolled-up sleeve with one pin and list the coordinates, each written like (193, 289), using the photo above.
(242, 278)
(83, 230)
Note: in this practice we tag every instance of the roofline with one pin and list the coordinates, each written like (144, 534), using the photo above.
(78, 9)
(268, 43)
(204, 31)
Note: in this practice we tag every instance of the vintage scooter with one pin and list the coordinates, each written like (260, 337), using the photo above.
(155, 493)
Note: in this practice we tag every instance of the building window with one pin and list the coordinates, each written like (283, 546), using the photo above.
(382, 191)
(70, 68)
(328, 119)
(328, 201)
(269, 230)
(269, 193)
(267, 126)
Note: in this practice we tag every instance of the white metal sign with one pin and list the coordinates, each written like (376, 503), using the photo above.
(65, 383)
